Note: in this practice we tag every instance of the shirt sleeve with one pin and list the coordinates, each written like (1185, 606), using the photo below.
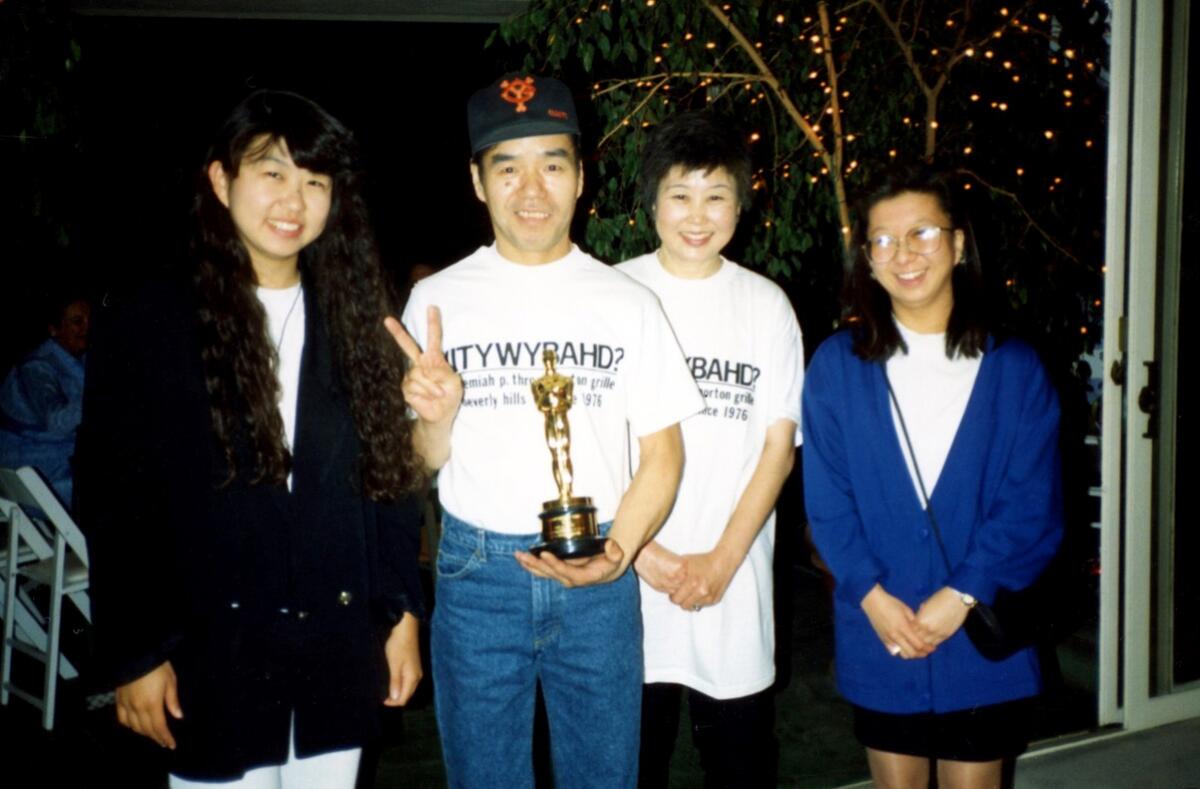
(399, 545)
(787, 368)
(35, 399)
(137, 601)
(414, 318)
(661, 390)
(400, 521)
(833, 515)
(1021, 529)
(414, 321)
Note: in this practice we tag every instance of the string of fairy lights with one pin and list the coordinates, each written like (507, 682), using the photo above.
(661, 82)
(988, 45)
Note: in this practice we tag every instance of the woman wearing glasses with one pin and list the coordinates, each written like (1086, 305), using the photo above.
(931, 475)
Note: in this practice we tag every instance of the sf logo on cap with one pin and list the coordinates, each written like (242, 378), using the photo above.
(518, 91)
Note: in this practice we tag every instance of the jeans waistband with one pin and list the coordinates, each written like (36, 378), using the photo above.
(458, 532)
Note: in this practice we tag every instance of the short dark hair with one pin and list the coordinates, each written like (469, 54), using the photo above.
(867, 306)
(693, 141)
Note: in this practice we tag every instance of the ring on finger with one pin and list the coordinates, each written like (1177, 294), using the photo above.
(895, 650)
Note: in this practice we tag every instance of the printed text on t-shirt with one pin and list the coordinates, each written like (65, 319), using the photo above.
(499, 374)
(590, 355)
(727, 386)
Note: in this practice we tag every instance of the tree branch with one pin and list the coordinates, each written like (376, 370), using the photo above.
(960, 53)
(1020, 207)
(834, 99)
(617, 84)
(767, 75)
(625, 121)
(806, 128)
(905, 49)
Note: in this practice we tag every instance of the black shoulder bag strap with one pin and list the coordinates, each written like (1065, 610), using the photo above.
(983, 627)
(937, 533)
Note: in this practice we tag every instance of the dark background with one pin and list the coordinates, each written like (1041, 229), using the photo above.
(155, 91)
(151, 94)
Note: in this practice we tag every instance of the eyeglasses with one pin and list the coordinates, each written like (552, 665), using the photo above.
(924, 240)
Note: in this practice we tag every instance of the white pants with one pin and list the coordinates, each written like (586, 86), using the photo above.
(335, 770)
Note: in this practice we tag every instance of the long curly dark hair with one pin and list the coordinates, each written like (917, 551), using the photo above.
(341, 267)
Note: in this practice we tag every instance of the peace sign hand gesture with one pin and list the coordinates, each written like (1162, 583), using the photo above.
(431, 387)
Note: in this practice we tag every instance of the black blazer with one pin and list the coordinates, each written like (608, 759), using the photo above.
(268, 603)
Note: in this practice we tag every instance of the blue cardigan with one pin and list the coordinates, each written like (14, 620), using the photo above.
(998, 504)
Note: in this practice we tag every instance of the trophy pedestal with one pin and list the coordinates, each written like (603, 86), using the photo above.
(569, 529)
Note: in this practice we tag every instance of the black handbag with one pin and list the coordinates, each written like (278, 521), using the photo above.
(997, 631)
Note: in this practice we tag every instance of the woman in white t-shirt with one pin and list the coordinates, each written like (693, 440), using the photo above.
(707, 585)
(931, 474)
(245, 465)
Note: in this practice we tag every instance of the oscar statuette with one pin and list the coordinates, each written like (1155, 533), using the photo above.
(569, 527)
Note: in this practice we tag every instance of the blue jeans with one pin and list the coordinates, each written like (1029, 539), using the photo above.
(497, 631)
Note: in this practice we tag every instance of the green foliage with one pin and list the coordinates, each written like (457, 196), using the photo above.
(612, 49)
(39, 60)
(644, 60)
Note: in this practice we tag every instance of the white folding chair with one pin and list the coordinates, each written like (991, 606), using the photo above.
(55, 556)
(29, 625)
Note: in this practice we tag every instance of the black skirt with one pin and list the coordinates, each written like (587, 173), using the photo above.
(978, 734)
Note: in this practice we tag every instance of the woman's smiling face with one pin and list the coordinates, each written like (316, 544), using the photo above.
(919, 285)
(695, 217)
(277, 207)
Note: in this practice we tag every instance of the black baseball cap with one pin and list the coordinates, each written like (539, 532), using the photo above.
(518, 105)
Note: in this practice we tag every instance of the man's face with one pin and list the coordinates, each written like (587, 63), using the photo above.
(530, 186)
(72, 331)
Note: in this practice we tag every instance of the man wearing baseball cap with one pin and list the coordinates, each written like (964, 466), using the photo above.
(505, 619)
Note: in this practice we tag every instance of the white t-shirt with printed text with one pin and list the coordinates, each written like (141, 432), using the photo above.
(609, 333)
(745, 351)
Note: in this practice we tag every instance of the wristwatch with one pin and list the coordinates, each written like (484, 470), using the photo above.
(968, 600)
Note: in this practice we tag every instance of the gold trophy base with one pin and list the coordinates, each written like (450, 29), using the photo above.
(569, 529)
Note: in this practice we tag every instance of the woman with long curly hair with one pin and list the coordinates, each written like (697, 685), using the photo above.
(932, 481)
(245, 471)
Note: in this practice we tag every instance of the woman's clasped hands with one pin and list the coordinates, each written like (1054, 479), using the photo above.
(693, 581)
(914, 634)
